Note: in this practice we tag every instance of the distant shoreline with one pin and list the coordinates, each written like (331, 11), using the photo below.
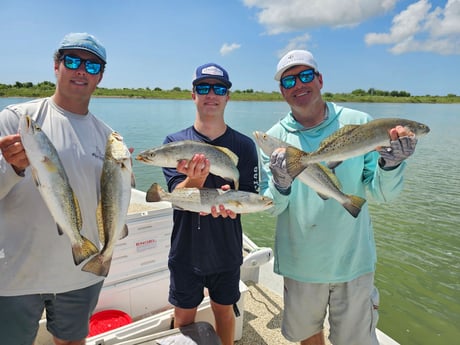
(357, 96)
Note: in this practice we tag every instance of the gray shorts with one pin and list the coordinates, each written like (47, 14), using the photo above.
(352, 310)
(67, 315)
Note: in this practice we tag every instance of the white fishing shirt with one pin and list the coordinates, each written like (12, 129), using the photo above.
(34, 258)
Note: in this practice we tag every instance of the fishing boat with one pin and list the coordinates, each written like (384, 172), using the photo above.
(133, 306)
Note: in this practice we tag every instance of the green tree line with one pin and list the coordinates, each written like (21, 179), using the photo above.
(372, 95)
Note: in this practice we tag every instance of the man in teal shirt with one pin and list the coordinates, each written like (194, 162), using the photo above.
(326, 256)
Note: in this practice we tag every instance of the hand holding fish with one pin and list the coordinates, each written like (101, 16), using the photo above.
(402, 146)
(13, 152)
(197, 170)
(281, 177)
(221, 212)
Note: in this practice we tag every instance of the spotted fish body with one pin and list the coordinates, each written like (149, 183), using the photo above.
(54, 186)
(350, 141)
(113, 207)
(202, 199)
(316, 176)
(223, 161)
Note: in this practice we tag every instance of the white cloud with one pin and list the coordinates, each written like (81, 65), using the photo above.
(299, 42)
(228, 48)
(418, 29)
(293, 15)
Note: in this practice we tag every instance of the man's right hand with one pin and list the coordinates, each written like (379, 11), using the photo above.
(13, 152)
(197, 170)
(281, 179)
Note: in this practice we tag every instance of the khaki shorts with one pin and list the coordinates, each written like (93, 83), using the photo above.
(352, 310)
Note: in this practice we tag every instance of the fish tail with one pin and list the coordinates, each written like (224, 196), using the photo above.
(354, 205)
(154, 193)
(83, 251)
(294, 163)
(98, 266)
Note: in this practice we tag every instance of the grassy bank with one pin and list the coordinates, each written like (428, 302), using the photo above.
(47, 89)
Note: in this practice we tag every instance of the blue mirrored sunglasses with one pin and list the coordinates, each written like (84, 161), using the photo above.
(73, 62)
(305, 77)
(203, 89)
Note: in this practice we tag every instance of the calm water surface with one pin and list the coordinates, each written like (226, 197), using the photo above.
(418, 242)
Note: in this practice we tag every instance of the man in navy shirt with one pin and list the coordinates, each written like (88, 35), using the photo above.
(206, 250)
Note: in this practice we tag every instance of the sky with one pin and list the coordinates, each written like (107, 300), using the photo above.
(402, 45)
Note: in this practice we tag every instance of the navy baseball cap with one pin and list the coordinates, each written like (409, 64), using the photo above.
(211, 71)
(83, 41)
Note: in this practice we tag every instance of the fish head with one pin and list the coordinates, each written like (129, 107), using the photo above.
(419, 129)
(147, 156)
(260, 137)
(267, 143)
(261, 140)
(116, 148)
(268, 202)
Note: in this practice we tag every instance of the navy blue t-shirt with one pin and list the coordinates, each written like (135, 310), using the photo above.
(212, 245)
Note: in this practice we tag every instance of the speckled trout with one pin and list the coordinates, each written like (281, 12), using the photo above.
(316, 176)
(223, 161)
(350, 141)
(113, 207)
(53, 184)
(202, 199)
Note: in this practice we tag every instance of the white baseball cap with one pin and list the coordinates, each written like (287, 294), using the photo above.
(295, 58)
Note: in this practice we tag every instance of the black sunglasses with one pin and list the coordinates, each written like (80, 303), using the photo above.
(74, 62)
(305, 77)
(203, 89)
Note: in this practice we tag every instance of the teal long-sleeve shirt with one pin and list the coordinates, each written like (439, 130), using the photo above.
(317, 240)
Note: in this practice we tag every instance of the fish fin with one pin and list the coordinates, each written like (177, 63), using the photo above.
(77, 211)
(333, 165)
(124, 232)
(322, 196)
(98, 266)
(133, 180)
(236, 203)
(60, 232)
(178, 208)
(237, 184)
(35, 177)
(154, 193)
(293, 161)
(50, 166)
(100, 222)
(83, 251)
(229, 153)
(354, 205)
(333, 177)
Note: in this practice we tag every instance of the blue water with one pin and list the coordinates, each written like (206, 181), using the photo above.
(418, 241)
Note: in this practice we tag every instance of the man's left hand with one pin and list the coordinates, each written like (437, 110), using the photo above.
(402, 146)
(221, 211)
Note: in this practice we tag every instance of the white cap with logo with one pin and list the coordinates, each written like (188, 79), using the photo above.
(295, 58)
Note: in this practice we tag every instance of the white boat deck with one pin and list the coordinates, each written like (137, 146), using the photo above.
(138, 285)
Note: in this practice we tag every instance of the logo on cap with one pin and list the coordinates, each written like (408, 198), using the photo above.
(212, 70)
